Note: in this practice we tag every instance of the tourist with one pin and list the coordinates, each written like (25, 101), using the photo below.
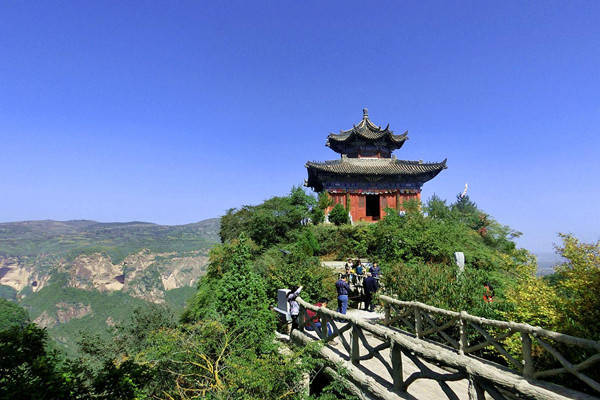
(294, 306)
(316, 323)
(488, 293)
(375, 270)
(371, 285)
(343, 289)
(348, 269)
(360, 269)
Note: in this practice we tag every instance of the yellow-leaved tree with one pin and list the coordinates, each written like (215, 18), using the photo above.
(578, 285)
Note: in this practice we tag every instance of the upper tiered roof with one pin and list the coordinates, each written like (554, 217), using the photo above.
(366, 139)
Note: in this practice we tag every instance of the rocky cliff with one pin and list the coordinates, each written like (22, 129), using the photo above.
(81, 273)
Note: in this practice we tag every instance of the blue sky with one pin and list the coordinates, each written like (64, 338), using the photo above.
(172, 112)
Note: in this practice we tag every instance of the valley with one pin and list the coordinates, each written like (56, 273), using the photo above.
(83, 275)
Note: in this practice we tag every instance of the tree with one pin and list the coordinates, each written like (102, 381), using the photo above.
(269, 222)
(324, 200)
(437, 208)
(578, 283)
(12, 314)
(338, 215)
(27, 369)
(318, 216)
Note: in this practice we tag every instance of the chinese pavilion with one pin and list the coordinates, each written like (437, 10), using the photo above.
(368, 178)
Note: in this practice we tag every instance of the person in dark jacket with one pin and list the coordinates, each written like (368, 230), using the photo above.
(371, 285)
(375, 270)
(343, 289)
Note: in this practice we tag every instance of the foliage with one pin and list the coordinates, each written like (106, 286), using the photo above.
(236, 297)
(317, 216)
(578, 283)
(339, 215)
(532, 300)
(116, 306)
(131, 335)
(204, 360)
(223, 346)
(27, 369)
(438, 285)
(324, 200)
(341, 242)
(567, 301)
(12, 315)
(229, 256)
(7, 292)
(296, 265)
(269, 222)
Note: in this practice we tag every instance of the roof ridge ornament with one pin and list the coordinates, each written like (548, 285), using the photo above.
(365, 113)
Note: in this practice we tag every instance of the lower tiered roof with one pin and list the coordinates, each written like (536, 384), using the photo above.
(358, 169)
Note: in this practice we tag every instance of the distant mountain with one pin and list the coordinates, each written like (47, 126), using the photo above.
(72, 275)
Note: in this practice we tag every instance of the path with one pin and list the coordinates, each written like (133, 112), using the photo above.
(421, 389)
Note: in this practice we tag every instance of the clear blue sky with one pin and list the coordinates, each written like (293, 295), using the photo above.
(172, 112)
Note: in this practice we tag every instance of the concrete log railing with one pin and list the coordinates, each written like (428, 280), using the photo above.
(452, 329)
(483, 376)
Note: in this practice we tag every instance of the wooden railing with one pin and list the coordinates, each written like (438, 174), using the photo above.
(483, 377)
(487, 338)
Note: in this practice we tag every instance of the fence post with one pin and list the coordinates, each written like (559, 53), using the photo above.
(388, 314)
(527, 359)
(323, 326)
(462, 327)
(418, 323)
(354, 347)
(476, 392)
(397, 376)
(301, 318)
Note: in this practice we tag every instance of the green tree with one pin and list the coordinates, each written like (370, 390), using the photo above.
(12, 314)
(435, 207)
(27, 369)
(324, 200)
(270, 222)
(318, 216)
(130, 336)
(338, 215)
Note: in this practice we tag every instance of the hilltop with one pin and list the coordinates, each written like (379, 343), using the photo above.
(82, 274)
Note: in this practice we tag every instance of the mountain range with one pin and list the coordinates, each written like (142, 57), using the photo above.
(87, 275)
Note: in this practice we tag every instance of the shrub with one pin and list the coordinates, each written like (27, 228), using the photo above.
(338, 215)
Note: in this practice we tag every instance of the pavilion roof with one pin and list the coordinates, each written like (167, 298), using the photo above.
(376, 166)
(366, 130)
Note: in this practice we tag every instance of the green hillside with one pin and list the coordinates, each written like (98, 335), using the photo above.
(71, 238)
(82, 275)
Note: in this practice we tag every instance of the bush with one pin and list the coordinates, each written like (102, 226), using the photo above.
(440, 286)
(338, 215)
